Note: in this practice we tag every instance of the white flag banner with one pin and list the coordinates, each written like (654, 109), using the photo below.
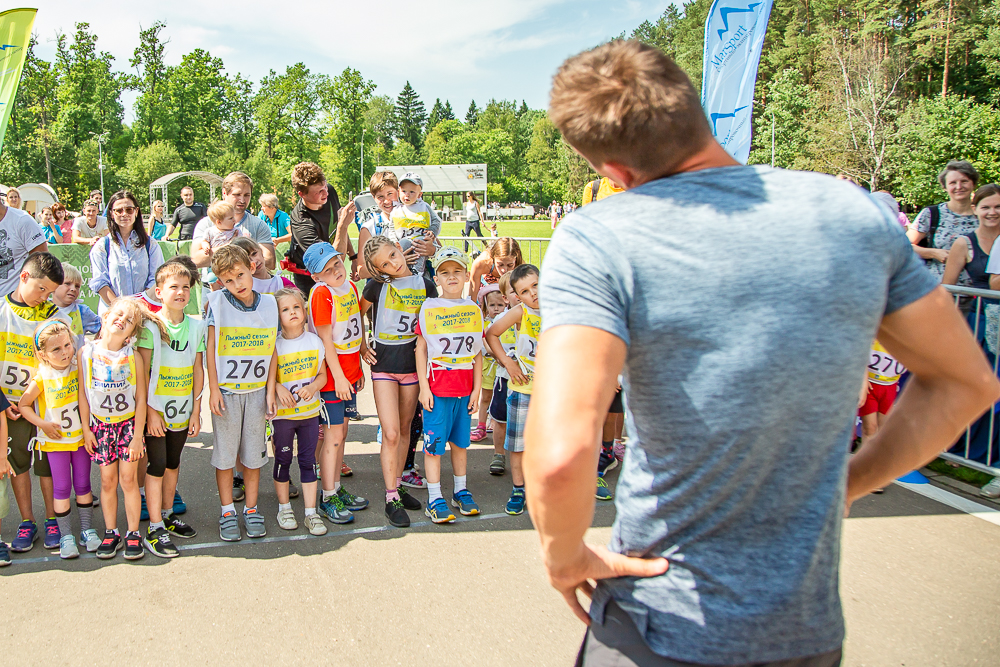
(734, 37)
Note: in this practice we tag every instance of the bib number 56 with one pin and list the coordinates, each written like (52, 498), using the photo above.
(407, 324)
(241, 370)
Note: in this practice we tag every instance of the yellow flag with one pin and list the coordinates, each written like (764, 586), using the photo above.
(15, 33)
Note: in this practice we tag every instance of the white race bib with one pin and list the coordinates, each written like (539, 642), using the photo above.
(453, 331)
(398, 310)
(244, 342)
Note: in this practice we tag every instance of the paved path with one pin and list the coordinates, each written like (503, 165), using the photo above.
(919, 583)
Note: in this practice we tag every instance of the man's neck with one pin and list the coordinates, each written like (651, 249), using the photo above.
(312, 207)
(174, 315)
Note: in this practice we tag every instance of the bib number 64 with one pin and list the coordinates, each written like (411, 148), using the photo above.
(241, 370)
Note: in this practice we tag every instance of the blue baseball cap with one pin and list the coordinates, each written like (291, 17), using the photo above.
(317, 256)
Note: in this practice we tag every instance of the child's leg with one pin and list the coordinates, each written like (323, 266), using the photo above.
(141, 471)
(45, 482)
(251, 478)
(20, 433)
(80, 460)
(459, 460)
(517, 468)
(109, 494)
(339, 434)
(224, 480)
(284, 435)
(619, 425)
(22, 495)
(407, 411)
(156, 465)
(388, 396)
(869, 427)
(485, 396)
(175, 446)
(432, 469)
(129, 479)
(499, 435)
(62, 482)
(307, 436)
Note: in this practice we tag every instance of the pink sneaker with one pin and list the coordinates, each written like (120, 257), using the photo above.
(412, 479)
(619, 448)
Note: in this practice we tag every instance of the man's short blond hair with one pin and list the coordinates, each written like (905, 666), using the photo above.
(627, 102)
(382, 179)
(219, 210)
(227, 258)
(235, 178)
(305, 175)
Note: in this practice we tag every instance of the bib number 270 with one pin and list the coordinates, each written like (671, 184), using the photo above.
(241, 370)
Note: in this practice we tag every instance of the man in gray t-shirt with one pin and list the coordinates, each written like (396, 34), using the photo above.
(740, 304)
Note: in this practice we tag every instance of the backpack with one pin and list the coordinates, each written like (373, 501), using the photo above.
(927, 241)
(595, 186)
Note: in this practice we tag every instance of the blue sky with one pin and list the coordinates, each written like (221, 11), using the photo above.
(452, 49)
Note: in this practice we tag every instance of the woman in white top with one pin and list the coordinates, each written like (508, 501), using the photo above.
(473, 216)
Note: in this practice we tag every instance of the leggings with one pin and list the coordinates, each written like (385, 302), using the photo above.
(164, 452)
(416, 430)
(284, 431)
(63, 482)
(471, 226)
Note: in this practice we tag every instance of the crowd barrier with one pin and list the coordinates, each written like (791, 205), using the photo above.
(978, 449)
(532, 249)
(500, 213)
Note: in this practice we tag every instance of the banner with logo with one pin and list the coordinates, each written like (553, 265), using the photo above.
(734, 37)
(15, 32)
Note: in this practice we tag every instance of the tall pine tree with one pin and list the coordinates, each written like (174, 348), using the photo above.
(411, 116)
(436, 116)
(447, 113)
(472, 115)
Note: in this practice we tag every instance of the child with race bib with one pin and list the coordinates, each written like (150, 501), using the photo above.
(20, 312)
(173, 412)
(498, 402)
(55, 386)
(293, 396)
(878, 391)
(414, 217)
(394, 297)
(82, 320)
(520, 370)
(492, 304)
(263, 281)
(335, 317)
(449, 367)
(242, 328)
(113, 414)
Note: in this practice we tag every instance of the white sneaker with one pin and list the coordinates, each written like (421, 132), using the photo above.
(67, 547)
(286, 519)
(315, 524)
(90, 539)
(991, 490)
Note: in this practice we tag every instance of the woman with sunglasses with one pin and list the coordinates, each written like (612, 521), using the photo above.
(125, 261)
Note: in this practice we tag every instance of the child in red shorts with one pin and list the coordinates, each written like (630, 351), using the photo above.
(878, 393)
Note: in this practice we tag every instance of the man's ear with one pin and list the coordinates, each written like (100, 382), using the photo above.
(624, 176)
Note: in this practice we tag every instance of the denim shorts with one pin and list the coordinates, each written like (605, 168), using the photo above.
(337, 409)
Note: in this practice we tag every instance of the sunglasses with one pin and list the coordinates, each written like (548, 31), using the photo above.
(124, 210)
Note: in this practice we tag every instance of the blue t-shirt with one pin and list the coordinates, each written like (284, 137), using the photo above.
(748, 298)
(279, 225)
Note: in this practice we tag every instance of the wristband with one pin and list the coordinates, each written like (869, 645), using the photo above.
(352, 257)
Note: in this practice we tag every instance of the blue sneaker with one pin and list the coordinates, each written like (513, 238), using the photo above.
(334, 510)
(464, 502)
(51, 534)
(144, 512)
(27, 533)
(515, 505)
(179, 506)
(603, 492)
(4, 555)
(438, 512)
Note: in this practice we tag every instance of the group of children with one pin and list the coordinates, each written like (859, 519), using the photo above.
(274, 357)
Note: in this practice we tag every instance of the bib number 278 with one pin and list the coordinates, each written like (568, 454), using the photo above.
(241, 370)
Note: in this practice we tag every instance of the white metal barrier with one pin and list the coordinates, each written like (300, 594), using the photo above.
(532, 248)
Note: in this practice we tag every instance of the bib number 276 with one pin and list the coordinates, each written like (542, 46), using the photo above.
(241, 370)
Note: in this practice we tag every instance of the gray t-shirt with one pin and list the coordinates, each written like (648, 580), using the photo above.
(748, 298)
(19, 234)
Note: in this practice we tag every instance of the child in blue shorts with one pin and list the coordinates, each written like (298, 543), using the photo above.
(449, 369)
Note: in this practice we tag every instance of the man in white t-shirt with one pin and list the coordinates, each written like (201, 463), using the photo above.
(20, 236)
(89, 227)
(236, 189)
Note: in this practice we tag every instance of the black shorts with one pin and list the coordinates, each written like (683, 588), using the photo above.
(498, 404)
(616, 404)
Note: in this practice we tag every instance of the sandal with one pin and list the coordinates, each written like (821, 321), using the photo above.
(478, 434)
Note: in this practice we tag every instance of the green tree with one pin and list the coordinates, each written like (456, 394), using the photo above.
(197, 97)
(380, 123)
(152, 117)
(144, 164)
(348, 99)
(435, 116)
(789, 102)
(410, 117)
(472, 115)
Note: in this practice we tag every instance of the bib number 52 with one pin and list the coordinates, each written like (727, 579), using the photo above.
(11, 379)
(241, 370)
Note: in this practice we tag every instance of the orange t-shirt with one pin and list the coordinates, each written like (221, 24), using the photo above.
(323, 314)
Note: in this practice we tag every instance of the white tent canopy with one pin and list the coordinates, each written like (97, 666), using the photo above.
(446, 177)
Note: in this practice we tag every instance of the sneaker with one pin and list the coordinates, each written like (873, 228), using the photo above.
(314, 524)
(90, 539)
(293, 491)
(67, 547)
(254, 522)
(239, 491)
(515, 504)
(4, 555)
(606, 461)
(286, 519)
(478, 434)
(438, 512)
(464, 502)
(179, 506)
(178, 528)
(133, 546)
(345, 470)
(351, 501)
(229, 528)
(603, 492)
(110, 545)
(143, 510)
(158, 542)
(498, 465)
(992, 489)
(409, 502)
(396, 514)
(412, 479)
(27, 533)
(52, 535)
(619, 450)
(333, 509)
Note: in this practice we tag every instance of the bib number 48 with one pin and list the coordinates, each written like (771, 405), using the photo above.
(120, 403)
(241, 370)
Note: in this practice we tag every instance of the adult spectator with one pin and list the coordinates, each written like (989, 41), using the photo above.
(473, 216)
(14, 198)
(89, 227)
(125, 261)
(236, 189)
(311, 217)
(47, 222)
(186, 216)
(734, 475)
(936, 227)
(64, 221)
(20, 236)
(598, 189)
(156, 229)
(276, 219)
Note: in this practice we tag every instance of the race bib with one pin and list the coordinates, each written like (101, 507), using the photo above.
(174, 389)
(244, 354)
(297, 370)
(18, 365)
(883, 368)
